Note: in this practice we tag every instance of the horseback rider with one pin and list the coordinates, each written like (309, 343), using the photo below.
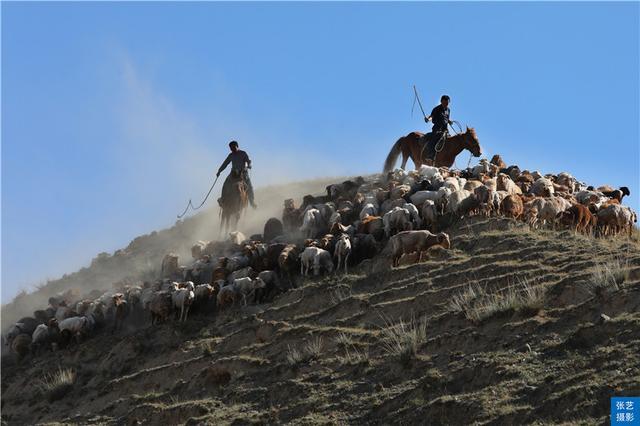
(240, 163)
(440, 118)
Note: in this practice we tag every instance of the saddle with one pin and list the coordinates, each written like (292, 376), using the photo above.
(234, 178)
(432, 142)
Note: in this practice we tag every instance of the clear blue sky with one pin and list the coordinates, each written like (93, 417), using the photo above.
(114, 113)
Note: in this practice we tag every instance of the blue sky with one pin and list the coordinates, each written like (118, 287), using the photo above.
(114, 113)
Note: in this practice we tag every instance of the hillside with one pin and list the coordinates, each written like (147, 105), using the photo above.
(143, 255)
(510, 326)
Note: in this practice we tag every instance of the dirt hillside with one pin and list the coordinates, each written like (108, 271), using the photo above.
(510, 326)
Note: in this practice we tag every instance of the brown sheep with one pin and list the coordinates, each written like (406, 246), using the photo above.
(288, 262)
(578, 217)
(497, 161)
(160, 307)
(407, 242)
(121, 311)
(372, 225)
(512, 206)
(21, 345)
(170, 268)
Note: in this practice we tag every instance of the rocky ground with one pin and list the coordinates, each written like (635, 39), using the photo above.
(511, 326)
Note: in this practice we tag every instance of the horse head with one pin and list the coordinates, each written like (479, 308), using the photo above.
(472, 142)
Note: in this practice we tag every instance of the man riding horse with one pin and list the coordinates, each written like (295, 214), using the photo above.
(240, 163)
(440, 118)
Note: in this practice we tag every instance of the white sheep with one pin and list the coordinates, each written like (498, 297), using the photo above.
(237, 237)
(311, 222)
(306, 259)
(322, 260)
(342, 251)
(429, 172)
(182, 299)
(396, 219)
(246, 286)
(429, 214)
(75, 326)
(542, 187)
(415, 215)
(455, 199)
(481, 168)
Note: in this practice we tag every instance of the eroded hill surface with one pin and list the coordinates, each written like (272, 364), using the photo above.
(510, 326)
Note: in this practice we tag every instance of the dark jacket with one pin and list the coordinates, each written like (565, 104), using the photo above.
(440, 118)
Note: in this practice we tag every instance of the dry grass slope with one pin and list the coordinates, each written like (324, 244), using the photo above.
(506, 328)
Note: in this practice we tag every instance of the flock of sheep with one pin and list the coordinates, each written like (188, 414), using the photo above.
(354, 221)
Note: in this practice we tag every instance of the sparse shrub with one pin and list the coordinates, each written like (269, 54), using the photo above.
(311, 350)
(353, 355)
(344, 339)
(207, 349)
(58, 384)
(294, 356)
(476, 304)
(607, 277)
(403, 338)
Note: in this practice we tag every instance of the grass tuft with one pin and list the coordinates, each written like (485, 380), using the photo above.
(609, 276)
(477, 305)
(58, 384)
(402, 339)
(311, 350)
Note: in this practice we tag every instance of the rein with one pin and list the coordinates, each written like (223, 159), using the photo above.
(201, 204)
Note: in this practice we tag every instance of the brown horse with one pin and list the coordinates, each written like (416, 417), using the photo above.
(411, 147)
(234, 202)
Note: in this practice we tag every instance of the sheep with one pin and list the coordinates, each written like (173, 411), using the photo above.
(617, 194)
(227, 296)
(342, 251)
(542, 187)
(415, 216)
(23, 326)
(240, 273)
(197, 249)
(306, 259)
(372, 225)
(74, 327)
(369, 209)
(472, 184)
(182, 299)
(21, 344)
(452, 183)
(269, 283)
(429, 172)
(578, 217)
(397, 219)
(415, 241)
(505, 183)
(512, 206)
(246, 286)
(288, 262)
(322, 260)
(121, 311)
(237, 238)
(272, 228)
(160, 306)
(170, 268)
(399, 192)
(497, 161)
(44, 335)
(455, 199)
(429, 214)
(311, 223)
(482, 168)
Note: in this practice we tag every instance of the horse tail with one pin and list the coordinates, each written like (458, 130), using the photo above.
(393, 156)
